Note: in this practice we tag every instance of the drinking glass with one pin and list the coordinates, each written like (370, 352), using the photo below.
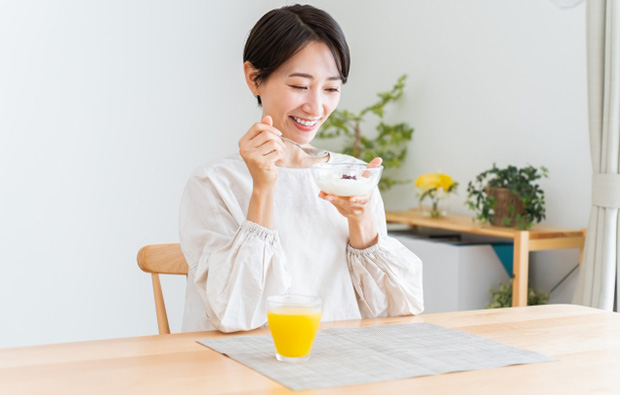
(293, 322)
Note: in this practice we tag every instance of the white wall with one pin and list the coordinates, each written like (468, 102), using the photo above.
(488, 82)
(105, 108)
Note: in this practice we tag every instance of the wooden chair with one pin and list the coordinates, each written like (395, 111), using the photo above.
(161, 259)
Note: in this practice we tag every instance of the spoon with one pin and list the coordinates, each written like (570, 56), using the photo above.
(315, 152)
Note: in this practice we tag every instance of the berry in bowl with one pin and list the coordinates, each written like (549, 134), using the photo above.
(346, 179)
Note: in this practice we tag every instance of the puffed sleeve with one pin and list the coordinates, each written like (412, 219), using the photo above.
(387, 277)
(235, 263)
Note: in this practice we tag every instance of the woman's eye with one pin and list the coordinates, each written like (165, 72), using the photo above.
(332, 90)
(298, 87)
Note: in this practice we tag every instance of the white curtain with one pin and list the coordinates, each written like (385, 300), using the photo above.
(599, 275)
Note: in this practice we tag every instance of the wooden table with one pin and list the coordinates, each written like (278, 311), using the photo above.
(585, 341)
(537, 238)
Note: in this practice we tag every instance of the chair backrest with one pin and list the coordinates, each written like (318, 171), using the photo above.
(161, 259)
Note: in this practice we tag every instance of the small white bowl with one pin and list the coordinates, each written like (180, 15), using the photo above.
(346, 179)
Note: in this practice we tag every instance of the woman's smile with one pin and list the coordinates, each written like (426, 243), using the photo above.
(304, 124)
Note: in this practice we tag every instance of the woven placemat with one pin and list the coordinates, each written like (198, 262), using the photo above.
(347, 356)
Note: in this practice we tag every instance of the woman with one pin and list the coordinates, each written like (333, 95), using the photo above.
(254, 224)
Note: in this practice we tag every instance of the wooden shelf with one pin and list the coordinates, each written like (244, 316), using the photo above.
(537, 238)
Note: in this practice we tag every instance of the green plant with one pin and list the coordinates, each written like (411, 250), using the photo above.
(389, 142)
(530, 208)
(502, 296)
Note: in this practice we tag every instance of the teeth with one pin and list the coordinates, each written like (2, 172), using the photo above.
(305, 123)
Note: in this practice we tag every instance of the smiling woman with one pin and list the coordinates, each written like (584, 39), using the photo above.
(254, 224)
(301, 93)
(295, 28)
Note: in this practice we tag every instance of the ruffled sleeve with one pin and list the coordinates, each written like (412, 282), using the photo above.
(235, 263)
(387, 277)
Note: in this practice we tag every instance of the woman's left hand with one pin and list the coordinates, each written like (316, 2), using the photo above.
(354, 208)
(358, 211)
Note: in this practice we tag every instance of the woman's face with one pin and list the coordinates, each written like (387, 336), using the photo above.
(302, 93)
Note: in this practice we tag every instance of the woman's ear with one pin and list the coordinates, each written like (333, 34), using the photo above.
(250, 77)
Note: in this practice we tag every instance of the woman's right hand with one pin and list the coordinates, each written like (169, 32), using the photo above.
(260, 148)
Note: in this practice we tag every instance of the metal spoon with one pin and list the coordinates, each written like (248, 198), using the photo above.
(315, 152)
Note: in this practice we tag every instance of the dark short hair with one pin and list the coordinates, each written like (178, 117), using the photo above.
(282, 32)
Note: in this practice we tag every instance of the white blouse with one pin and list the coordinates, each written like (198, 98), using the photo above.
(235, 264)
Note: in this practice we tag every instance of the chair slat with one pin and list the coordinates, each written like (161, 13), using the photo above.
(161, 259)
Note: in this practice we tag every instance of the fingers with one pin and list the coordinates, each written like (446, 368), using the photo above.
(375, 163)
(267, 148)
(260, 140)
(261, 146)
(270, 159)
(349, 206)
(259, 128)
(265, 151)
(263, 139)
(363, 199)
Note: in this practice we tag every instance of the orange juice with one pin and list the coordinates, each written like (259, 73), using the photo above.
(293, 329)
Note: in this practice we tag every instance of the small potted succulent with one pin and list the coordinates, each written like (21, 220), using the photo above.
(508, 197)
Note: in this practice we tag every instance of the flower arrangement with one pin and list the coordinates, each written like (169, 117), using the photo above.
(435, 186)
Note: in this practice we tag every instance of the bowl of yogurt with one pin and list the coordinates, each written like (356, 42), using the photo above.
(346, 179)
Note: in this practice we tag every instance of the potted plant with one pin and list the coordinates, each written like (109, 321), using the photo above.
(389, 142)
(508, 197)
(502, 296)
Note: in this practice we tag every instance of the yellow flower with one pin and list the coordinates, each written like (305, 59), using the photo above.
(430, 184)
(445, 182)
(428, 181)
(434, 181)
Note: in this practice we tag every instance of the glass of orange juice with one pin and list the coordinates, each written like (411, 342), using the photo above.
(293, 322)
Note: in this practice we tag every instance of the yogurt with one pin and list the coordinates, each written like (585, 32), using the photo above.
(334, 185)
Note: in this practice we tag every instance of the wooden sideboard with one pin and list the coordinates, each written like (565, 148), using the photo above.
(536, 238)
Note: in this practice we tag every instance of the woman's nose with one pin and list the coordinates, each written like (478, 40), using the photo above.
(313, 105)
